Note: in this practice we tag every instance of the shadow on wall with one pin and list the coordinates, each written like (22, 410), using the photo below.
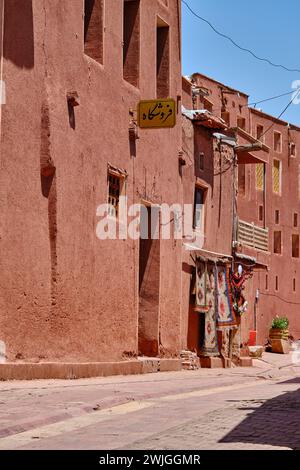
(18, 33)
(270, 422)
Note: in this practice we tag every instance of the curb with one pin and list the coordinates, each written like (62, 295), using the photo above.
(55, 370)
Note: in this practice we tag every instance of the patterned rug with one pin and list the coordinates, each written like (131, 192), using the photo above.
(206, 300)
(225, 312)
(214, 304)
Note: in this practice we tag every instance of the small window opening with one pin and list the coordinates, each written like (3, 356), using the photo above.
(295, 246)
(277, 142)
(292, 149)
(199, 208)
(277, 243)
(131, 41)
(115, 190)
(241, 123)
(259, 132)
(295, 219)
(93, 29)
(162, 60)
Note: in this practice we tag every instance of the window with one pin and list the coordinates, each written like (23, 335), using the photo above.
(292, 148)
(199, 208)
(295, 220)
(93, 29)
(276, 283)
(295, 246)
(131, 41)
(199, 162)
(259, 176)
(294, 285)
(162, 60)
(267, 282)
(115, 190)
(259, 132)
(277, 217)
(242, 178)
(277, 176)
(241, 123)
(208, 105)
(277, 243)
(226, 117)
(261, 213)
(277, 142)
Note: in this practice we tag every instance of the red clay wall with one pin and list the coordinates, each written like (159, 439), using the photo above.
(284, 301)
(64, 293)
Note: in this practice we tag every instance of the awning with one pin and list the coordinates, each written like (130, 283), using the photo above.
(204, 118)
(249, 158)
(249, 261)
(205, 255)
(250, 150)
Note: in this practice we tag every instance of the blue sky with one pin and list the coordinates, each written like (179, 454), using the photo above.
(268, 27)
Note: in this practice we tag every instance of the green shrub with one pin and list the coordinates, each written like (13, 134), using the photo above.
(281, 323)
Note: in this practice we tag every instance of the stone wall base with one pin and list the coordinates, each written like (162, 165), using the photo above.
(55, 370)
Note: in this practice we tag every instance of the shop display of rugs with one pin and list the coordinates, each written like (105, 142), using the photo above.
(214, 303)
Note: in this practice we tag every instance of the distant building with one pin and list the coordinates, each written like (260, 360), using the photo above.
(264, 221)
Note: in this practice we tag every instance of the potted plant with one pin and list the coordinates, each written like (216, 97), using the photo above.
(279, 335)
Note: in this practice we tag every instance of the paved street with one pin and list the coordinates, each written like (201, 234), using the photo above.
(255, 408)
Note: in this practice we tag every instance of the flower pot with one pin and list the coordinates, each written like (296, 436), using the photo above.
(278, 333)
(280, 346)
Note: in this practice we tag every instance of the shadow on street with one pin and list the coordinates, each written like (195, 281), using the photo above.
(272, 422)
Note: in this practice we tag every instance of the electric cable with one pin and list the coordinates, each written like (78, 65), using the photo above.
(262, 59)
(280, 115)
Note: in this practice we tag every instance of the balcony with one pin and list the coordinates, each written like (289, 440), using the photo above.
(252, 236)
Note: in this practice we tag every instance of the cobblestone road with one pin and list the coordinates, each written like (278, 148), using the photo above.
(229, 409)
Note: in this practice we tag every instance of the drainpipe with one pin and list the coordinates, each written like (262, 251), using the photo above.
(234, 206)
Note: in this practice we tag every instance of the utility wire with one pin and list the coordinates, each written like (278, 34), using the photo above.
(272, 98)
(278, 117)
(278, 297)
(262, 59)
(296, 91)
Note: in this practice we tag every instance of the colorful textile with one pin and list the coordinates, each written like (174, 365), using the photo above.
(225, 312)
(214, 304)
(201, 286)
(210, 342)
(239, 302)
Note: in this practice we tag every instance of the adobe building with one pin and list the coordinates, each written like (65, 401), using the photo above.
(213, 327)
(269, 198)
(265, 218)
(75, 72)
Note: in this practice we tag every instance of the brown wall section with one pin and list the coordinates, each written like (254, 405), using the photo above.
(64, 293)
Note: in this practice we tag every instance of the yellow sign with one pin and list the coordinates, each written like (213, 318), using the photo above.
(154, 114)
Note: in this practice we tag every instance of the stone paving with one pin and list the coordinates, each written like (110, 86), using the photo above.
(257, 408)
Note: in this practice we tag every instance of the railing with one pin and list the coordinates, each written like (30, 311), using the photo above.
(253, 236)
